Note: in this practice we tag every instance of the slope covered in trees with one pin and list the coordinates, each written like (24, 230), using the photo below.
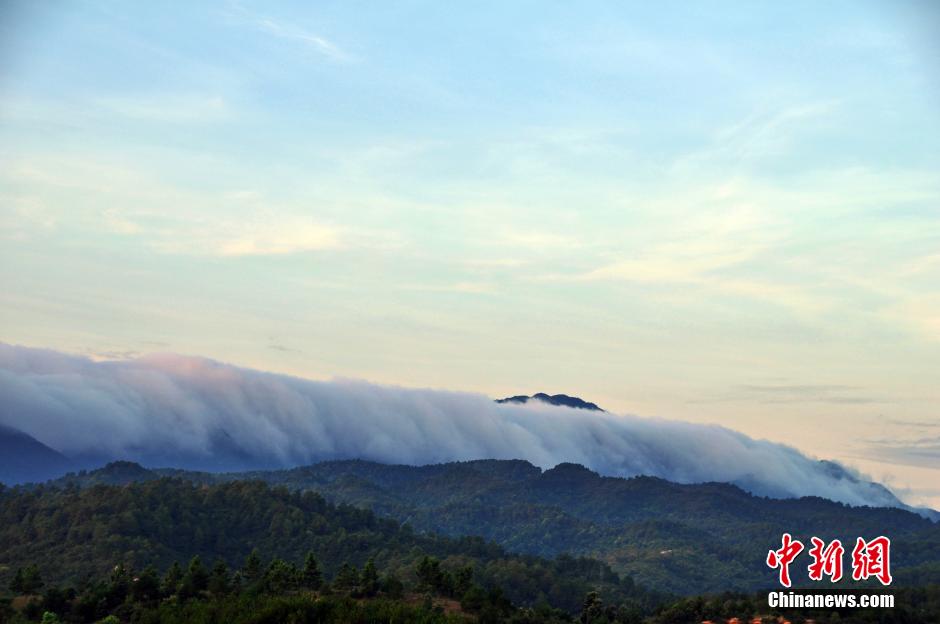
(680, 538)
(70, 534)
(146, 548)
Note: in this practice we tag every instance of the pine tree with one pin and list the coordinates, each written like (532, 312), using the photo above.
(347, 579)
(119, 584)
(281, 577)
(195, 580)
(172, 580)
(251, 571)
(370, 579)
(219, 578)
(429, 573)
(146, 586)
(312, 578)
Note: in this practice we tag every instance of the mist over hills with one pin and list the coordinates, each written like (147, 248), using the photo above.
(194, 413)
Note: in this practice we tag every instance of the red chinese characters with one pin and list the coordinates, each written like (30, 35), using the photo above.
(872, 558)
(827, 560)
(869, 559)
(783, 557)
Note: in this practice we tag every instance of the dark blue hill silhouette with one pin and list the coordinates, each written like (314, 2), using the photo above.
(553, 399)
(24, 458)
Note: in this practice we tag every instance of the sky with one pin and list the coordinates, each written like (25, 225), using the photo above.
(724, 212)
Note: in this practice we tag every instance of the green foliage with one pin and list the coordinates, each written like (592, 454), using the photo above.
(312, 577)
(593, 609)
(219, 578)
(196, 579)
(251, 571)
(27, 580)
(281, 577)
(172, 579)
(146, 586)
(683, 539)
(392, 586)
(382, 571)
(369, 581)
(347, 579)
(69, 534)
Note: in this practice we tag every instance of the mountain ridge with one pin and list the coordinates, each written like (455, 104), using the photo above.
(24, 458)
(562, 400)
(652, 529)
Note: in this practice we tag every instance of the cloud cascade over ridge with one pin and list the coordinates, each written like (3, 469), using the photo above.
(198, 413)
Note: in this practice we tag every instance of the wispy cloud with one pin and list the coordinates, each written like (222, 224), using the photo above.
(809, 393)
(253, 238)
(832, 394)
(920, 312)
(173, 108)
(289, 31)
(760, 134)
(536, 239)
(922, 452)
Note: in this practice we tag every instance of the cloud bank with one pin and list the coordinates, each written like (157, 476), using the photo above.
(197, 413)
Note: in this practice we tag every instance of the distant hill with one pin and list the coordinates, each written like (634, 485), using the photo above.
(674, 537)
(553, 399)
(24, 458)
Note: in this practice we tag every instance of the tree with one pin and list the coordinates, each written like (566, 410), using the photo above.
(26, 581)
(195, 580)
(281, 577)
(119, 584)
(429, 573)
(347, 579)
(370, 579)
(251, 571)
(463, 578)
(593, 608)
(312, 578)
(146, 586)
(219, 578)
(392, 586)
(172, 580)
(473, 599)
(55, 600)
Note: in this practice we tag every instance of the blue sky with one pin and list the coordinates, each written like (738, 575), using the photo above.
(727, 212)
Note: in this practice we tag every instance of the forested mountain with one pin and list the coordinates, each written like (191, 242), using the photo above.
(71, 533)
(160, 549)
(678, 538)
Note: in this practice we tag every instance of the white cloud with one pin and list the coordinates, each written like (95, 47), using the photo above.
(197, 411)
(171, 108)
(535, 239)
(249, 238)
(288, 31)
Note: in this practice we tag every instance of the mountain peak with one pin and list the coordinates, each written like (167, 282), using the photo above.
(553, 399)
(26, 459)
